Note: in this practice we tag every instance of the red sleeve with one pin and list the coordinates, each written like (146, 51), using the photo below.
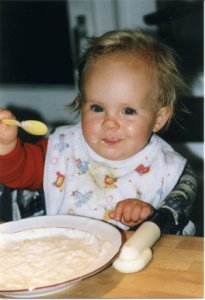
(24, 166)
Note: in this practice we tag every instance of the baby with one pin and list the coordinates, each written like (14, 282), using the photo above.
(112, 165)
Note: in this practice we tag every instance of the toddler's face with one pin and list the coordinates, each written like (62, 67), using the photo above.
(118, 114)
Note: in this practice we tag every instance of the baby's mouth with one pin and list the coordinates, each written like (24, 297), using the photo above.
(111, 140)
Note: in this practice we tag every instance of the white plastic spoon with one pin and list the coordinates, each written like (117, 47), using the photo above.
(30, 126)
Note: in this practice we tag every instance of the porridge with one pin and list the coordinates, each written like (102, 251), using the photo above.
(45, 256)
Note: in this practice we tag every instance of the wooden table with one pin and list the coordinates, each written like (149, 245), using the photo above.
(176, 271)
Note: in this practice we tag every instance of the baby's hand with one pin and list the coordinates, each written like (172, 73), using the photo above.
(131, 212)
(8, 134)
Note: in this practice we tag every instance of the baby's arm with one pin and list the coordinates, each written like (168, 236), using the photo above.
(21, 165)
(176, 206)
(8, 134)
(179, 201)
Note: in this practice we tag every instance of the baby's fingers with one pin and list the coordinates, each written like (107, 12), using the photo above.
(117, 213)
(5, 114)
(145, 212)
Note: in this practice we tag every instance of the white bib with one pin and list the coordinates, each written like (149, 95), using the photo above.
(79, 181)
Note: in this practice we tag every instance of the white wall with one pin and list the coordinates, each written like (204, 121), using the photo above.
(50, 102)
(131, 12)
(105, 15)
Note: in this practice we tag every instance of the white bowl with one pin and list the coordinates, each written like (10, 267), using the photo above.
(102, 230)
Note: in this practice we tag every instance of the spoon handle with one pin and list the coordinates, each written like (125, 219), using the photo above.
(11, 122)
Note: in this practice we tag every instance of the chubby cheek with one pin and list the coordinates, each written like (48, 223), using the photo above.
(138, 135)
(131, 130)
(134, 132)
(90, 130)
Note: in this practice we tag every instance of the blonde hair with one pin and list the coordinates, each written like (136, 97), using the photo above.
(161, 59)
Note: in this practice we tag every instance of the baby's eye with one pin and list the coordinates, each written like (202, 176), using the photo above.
(129, 111)
(96, 108)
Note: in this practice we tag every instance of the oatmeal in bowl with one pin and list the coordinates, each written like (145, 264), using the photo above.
(44, 254)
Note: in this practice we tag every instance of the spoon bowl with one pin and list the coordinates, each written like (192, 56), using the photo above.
(31, 126)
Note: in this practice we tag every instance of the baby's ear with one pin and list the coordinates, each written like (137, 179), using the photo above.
(163, 115)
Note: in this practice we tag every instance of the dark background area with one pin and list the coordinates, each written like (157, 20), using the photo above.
(180, 25)
(35, 46)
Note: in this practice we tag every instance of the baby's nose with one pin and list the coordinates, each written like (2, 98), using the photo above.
(110, 123)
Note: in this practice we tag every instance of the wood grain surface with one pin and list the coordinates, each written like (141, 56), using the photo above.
(176, 271)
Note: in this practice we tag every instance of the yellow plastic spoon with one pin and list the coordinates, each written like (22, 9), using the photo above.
(31, 126)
